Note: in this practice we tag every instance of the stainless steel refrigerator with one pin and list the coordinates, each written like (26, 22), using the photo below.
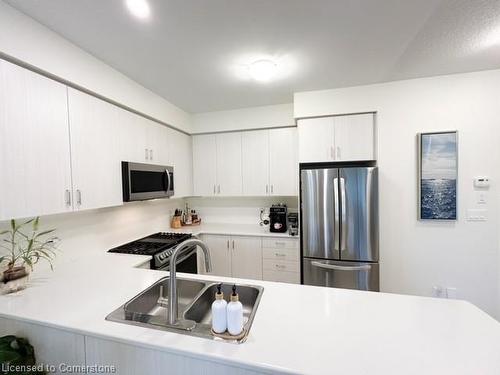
(339, 227)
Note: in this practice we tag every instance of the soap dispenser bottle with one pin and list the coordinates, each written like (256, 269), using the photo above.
(219, 312)
(234, 314)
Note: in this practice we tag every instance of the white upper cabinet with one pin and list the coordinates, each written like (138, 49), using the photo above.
(95, 151)
(181, 158)
(354, 137)
(283, 165)
(316, 142)
(35, 170)
(157, 142)
(204, 165)
(337, 138)
(229, 180)
(255, 162)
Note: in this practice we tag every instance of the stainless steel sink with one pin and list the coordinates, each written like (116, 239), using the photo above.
(195, 297)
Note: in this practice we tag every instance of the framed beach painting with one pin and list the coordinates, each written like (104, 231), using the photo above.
(438, 171)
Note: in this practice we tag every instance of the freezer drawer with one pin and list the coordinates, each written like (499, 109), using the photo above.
(337, 274)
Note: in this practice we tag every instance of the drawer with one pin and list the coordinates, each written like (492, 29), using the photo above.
(281, 276)
(280, 243)
(281, 254)
(281, 265)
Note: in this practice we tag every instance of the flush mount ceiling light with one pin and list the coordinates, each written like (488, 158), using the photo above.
(262, 70)
(139, 8)
(492, 38)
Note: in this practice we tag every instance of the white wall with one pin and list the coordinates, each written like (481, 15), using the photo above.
(237, 210)
(25, 39)
(242, 119)
(417, 255)
(94, 231)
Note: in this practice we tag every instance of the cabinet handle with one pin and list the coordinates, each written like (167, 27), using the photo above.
(150, 154)
(228, 244)
(218, 189)
(67, 197)
(233, 244)
(280, 255)
(272, 188)
(267, 189)
(338, 153)
(146, 154)
(214, 189)
(332, 153)
(79, 197)
(280, 266)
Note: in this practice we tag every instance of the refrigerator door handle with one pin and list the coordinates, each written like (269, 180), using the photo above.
(364, 267)
(343, 228)
(337, 214)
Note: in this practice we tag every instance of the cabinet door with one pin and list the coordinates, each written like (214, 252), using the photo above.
(95, 151)
(157, 142)
(354, 137)
(283, 166)
(181, 158)
(133, 138)
(246, 259)
(255, 162)
(35, 169)
(220, 255)
(229, 180)
(204, 165)
(316, 140)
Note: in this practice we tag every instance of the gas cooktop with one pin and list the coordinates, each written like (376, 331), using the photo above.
(152, 244)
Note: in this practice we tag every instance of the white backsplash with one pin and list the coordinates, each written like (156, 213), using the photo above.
(237, 210)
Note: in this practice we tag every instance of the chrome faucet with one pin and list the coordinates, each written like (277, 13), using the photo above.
(172, 283)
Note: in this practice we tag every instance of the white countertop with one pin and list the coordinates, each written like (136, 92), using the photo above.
(231, 229)
(297, 329)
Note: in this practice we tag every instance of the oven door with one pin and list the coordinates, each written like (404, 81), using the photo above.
(146, 181)
(186, 262)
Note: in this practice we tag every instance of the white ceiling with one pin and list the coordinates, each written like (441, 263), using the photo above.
(189, 50)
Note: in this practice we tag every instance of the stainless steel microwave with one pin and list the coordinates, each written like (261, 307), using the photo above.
(146, 181)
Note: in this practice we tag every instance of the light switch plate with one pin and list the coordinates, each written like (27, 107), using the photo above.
(477, 214)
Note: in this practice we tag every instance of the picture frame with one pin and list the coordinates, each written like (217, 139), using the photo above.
(438, 175)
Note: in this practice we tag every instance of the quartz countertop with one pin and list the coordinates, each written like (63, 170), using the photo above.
(231, 230)
(297, 329)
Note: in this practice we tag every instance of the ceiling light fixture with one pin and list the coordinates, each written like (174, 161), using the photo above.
(139, 8)
(262, 70)
(491, 39)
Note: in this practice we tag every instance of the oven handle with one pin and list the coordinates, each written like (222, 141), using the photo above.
(189, 253)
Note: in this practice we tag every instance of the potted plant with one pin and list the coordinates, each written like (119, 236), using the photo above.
(25, 245)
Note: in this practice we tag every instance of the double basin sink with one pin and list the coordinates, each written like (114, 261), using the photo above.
(195, 297)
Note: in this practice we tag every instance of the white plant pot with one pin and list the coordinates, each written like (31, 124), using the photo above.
(12, 286)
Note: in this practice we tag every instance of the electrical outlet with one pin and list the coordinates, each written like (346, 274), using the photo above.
(451, 293)
(438, 291)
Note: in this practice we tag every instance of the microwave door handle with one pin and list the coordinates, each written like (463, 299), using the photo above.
(168, 180)
(335, 267)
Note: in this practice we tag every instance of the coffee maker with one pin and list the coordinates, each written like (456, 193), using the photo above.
(277, 218)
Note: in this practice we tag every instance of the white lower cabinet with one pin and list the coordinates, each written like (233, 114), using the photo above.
(281, 260)
(253, 257)
(134, 360)
(234, 256)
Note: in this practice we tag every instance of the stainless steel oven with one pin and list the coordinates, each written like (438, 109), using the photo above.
(146, 181)
(187, 262)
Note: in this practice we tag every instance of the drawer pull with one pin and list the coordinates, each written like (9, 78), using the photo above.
(280, 255)
(280, 266)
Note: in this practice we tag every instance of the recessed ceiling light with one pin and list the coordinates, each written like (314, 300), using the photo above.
(262, 70)
(139, 8)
